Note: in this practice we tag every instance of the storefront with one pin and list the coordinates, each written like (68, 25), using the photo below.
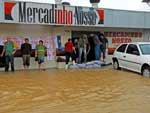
(54, 24)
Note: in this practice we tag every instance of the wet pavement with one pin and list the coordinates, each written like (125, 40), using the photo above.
(74, 91)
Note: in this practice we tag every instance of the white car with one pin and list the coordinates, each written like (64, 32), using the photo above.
(133, 56)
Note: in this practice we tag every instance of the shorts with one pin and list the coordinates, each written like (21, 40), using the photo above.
(26, 60)
(40, 60)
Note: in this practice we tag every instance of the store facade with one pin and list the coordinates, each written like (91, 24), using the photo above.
(54, 24)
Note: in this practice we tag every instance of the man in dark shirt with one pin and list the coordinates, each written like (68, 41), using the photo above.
(26, 51)
(104, 46)
(97, 44)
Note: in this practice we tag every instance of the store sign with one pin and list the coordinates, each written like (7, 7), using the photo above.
(34, 13)
(116, 38)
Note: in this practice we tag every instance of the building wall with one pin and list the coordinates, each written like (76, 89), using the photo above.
(1, 11)
(145, 34)
(65, 32)
(22, 31)
(126, 19)
(114, 21)
(109, 17)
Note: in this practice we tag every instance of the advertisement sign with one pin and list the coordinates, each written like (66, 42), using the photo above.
(52, 14)
(116, 38)
(48, 41)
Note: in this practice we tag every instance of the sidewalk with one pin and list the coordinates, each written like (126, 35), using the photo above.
(109, 59)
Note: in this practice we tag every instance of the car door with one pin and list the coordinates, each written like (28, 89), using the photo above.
(120, 52)
(132, 58)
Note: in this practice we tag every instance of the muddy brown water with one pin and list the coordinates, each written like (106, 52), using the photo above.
(74, 91)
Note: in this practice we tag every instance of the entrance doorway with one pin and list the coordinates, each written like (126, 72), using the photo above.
(77, 34)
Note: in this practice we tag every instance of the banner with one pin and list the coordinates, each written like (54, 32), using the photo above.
(48, 41)
(52, 14)
(116, 38)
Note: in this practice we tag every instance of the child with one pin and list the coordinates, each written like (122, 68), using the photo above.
(40, 53)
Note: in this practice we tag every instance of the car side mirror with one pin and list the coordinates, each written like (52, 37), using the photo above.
(136, 53)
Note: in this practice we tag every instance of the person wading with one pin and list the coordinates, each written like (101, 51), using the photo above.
(69, 48)
(26, 51)
(9, 51)
(40, 54)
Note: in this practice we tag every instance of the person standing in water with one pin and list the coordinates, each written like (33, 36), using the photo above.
(69, 48)
(26, 51)
(9, 51)
(40, 54)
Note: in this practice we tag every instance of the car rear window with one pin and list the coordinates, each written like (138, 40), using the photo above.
(122, 48)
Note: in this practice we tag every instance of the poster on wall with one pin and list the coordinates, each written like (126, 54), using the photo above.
(116, 38)
(60, 50)
(48, 41)
(51, 14)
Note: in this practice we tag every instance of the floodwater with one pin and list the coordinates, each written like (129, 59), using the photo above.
(74, 91)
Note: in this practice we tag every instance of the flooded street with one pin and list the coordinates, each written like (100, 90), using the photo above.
(74, 91)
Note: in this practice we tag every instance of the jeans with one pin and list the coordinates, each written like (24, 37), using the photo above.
(97, 52)
(9, 58)
(82, 50)
(104, 53)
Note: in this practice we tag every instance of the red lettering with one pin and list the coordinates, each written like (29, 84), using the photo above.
(136, 34)
(122, 34)
(110, 34)
(129, 40)
(126, 40)
(122, 40)
(114, 34)
(140, 34)
(113, 40)
(132, 34)
(69, 17)
(106, 34)
(126, 34)
(118, 40)
(59, 17)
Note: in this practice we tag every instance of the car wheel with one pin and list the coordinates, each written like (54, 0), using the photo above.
(146, 71)
(116, 65)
